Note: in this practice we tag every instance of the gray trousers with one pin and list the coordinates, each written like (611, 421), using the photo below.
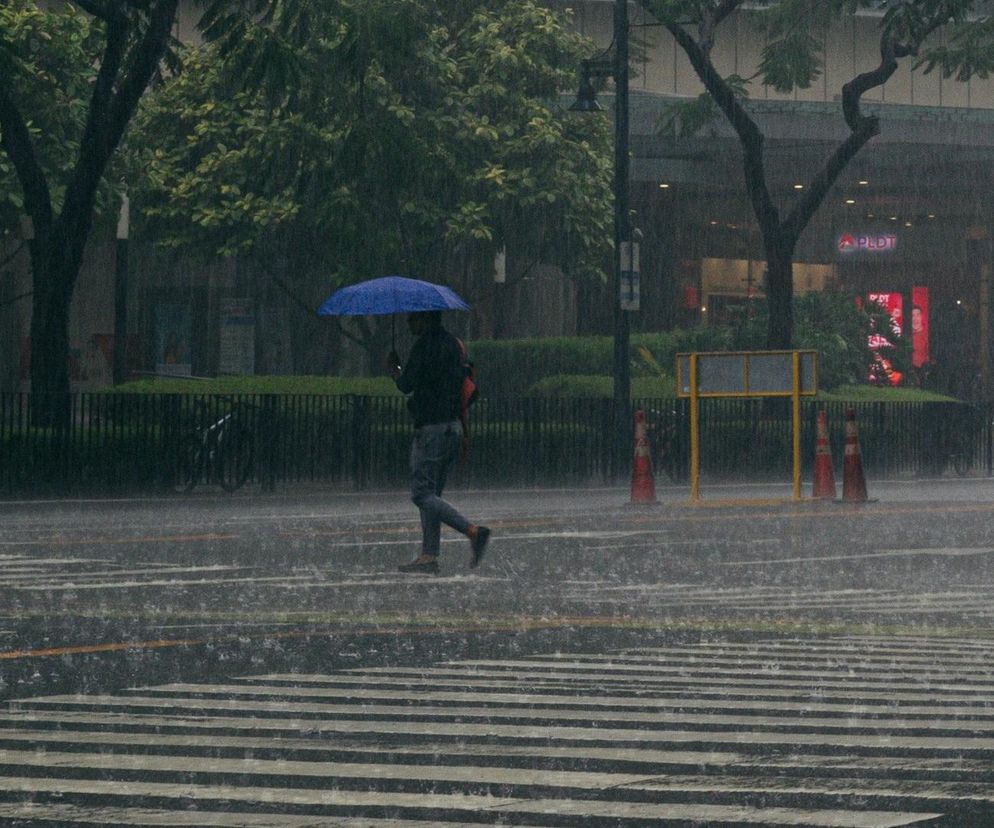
(434, 448)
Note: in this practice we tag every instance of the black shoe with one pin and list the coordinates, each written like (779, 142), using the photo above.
(479, 545)
(427, 566)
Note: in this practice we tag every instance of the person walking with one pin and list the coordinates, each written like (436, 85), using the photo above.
(432, 378)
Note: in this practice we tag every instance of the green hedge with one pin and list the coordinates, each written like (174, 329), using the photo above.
(323, 386)
(584, 386)
(508, 367)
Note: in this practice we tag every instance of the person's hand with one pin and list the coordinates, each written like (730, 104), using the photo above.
(391, 364)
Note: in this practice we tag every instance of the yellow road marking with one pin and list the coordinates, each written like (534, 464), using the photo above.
(97, 648)
(449, 625)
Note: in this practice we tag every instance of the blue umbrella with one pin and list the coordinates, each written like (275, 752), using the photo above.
(390, 294)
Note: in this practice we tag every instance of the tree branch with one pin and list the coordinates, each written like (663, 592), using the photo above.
(11, 256)
(854, 89)
(749, 134)
(16, 142)
(524, 274)
(711, 20)
(862, 127)
(111, 107)
(348, 335)
(94, 148)
(300, 303)
(97, 8)
(146, 58)
(807, 205)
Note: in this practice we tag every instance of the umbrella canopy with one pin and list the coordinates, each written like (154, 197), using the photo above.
(390, 294)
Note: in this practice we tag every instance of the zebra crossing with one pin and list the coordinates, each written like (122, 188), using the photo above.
(821, 731)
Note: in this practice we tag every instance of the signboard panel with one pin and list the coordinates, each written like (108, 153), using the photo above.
(720, 376)
(630, 290)
(748, 374)
(771, 373)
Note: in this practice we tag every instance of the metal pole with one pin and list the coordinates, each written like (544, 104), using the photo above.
(695, 433)
(795, 421)
(622, 233)
(984, 307)
(120, 367)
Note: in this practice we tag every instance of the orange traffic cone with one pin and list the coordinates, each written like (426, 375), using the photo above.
(643, 483)
(853, 482)
(823, 485)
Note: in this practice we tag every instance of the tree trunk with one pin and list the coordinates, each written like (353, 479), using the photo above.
(55, 263)
(49, 359)
(779, 293)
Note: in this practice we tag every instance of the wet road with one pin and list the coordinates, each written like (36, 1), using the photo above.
(258, 661)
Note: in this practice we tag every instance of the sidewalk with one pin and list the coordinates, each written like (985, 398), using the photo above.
(484, 504)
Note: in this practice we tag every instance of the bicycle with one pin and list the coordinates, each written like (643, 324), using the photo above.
(966, 427)
(662, 433)
(222, 450)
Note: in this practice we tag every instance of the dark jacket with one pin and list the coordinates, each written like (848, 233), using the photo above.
(433, 377)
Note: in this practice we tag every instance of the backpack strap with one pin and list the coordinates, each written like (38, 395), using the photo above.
(467, 393)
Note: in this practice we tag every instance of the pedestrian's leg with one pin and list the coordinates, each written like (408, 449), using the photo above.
(431, 526)
(433, 450)
(436, 448)
(424, 473)
(431, 533)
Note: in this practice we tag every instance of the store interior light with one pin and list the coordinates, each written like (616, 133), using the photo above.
(907, 224)
(664, 186)
(893, 218)
(798, 186)
(931, 215)
(863, 182)
(850, 201)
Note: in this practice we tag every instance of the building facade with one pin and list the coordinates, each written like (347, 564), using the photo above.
(910, 221)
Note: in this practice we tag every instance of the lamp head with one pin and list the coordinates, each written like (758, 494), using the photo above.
(586, 96)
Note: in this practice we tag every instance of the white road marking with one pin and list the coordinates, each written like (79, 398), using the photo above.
(323, 770)
(65, 814)
(667, 812)
(578, 713)
(21, 581)
(179, 582)
(947, 551)
(540, 701)
(935, 680)
(544, 732)
(689, 733)
(685, 688)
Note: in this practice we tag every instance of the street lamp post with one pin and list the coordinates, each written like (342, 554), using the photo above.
(622, 238)
(625, 259)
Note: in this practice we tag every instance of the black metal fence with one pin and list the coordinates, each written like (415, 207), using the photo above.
(114, 443)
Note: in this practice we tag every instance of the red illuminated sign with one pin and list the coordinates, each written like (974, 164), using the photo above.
(868, 243)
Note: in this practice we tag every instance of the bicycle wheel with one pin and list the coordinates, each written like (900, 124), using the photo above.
(188, 462)
(235, 458)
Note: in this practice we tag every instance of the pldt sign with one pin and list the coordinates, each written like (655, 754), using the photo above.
(875, 243)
